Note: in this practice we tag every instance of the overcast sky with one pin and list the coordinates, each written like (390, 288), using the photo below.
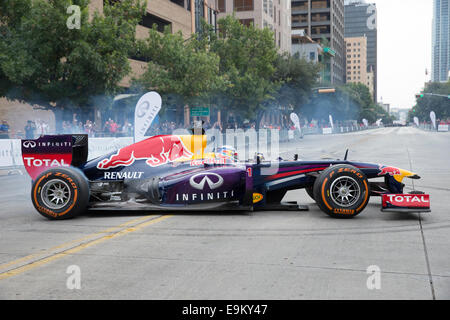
(404, 49)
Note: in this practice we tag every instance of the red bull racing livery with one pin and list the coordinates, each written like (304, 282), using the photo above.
(174, 173)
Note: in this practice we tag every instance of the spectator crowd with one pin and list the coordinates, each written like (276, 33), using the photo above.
(112, 128)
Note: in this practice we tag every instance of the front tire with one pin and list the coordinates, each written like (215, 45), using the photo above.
(60, 193)
(342, 191)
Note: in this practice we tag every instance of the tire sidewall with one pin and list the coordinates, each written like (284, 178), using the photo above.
(78, 197)
(310, 192)
(322, 191)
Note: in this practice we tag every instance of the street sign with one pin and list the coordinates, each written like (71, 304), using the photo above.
(200, 112)
(330, 51)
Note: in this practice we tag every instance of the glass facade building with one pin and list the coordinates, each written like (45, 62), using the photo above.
(323, 21)
(361, 21)
(441, 41)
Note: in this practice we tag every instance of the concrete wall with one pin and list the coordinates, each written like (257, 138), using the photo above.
(305, 49)
(178, 16)
(17, 114)
(165, 9)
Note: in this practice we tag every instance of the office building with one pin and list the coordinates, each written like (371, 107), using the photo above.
(323, 21)
(305, 47)
(441, 41)
(371, 81)
(356, 60)
(273, 14)
(178, 15)
(361, 21)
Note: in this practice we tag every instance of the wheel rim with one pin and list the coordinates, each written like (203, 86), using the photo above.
(345, 192)
(56, 194)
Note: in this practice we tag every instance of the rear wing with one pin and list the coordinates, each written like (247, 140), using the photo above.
(54, 151)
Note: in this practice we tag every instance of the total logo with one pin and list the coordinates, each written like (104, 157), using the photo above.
(33, 162)
(392, 198)
(202, 162)
(213, 180)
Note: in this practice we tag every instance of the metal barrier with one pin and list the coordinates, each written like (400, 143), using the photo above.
(440, 127)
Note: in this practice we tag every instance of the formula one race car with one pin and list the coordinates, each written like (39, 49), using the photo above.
(173, 173)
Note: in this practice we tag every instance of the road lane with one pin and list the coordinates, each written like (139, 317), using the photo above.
(260, 255)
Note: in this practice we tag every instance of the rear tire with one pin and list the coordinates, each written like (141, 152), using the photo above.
(60, 193)
(342, 191)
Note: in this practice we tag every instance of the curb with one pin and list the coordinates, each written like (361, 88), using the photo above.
(11, 172)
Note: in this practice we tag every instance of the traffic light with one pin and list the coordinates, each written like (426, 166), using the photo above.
(418, 96)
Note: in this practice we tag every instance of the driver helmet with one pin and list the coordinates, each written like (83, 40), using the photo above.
(227, 152)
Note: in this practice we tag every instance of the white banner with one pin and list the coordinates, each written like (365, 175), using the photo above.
(331, 121)
(366, 123)
(291, 134)
(296, 121)
(146, 110)
(416, 121)
(327, 131)
(443, 128)
(6, 154)
(433, 118)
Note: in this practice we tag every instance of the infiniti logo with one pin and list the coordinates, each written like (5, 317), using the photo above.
(29, 144)
(213, 180)
(142, 109)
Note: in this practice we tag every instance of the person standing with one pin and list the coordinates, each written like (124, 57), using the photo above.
(45, 127)
(30, 128)
(113, 126)
(4, 130)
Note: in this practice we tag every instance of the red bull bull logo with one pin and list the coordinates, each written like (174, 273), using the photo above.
(389, 171)
(156, 151)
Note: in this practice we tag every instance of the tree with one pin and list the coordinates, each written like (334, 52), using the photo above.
(43, 61)
(247, 63)
(351, 101)
(440, 105)
(179, 68)
(297, 78)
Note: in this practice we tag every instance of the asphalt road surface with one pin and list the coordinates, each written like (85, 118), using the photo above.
(259, 255)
